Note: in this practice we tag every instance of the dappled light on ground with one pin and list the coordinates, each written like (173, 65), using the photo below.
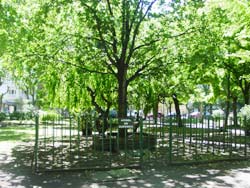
(16, 171)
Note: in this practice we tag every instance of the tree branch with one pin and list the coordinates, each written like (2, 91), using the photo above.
(114, 44)
(136, 30)
(93, 101)
(100, 33)
(138, 72)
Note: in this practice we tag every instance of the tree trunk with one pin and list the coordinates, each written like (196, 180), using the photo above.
(227, 101)
(155, 110)
(246, 96)
(177, 109)
(211, 109)
(201, 108)
(235, 119)
(1, 102)
(122, 99)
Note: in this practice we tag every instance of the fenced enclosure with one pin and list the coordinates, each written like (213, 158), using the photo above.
(87, 142)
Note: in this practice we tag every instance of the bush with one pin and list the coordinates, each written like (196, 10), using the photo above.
(21, 116)
(218, 114)
(28, 115)
(2, 116)
(245, 115)
(50, 116)
(17, 116)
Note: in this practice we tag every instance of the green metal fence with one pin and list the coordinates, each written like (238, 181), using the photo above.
(92, 143)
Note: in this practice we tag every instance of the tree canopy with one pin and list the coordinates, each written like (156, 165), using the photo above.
(84, 54)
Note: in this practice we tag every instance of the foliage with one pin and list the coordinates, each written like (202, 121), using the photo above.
(245, 115)
(217, 114)
(50, 116)
(82, 55)
(21, 116)
(2, 116)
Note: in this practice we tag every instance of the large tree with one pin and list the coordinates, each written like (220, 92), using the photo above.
(115, 38)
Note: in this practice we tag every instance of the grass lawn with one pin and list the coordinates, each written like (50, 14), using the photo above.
(16, 133)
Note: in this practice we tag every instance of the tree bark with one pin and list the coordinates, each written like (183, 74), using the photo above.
(246, 96)
(227, 102)
(245, 88)
(155, 110)
(122, 97)
(235, 119)
(177, 109)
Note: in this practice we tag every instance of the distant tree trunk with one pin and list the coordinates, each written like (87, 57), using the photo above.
(155, 110)
(227, 101)
(211, 109)
(137, 122)
(1, 98)
(246, 96)
(201, 108)
(235, 118)
(1, 102)
(177, 109)
(245, 88)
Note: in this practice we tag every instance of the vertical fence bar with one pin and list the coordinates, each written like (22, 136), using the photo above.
(118, 135)
(202, 133)
(231, 141)
(44, 133)
(70, 133)
(183, 136)
(235, 134)
(208, 134)
(170, 140)
(213, 132)
(245, 137)
(102, 124)
(78, 135)
(36, 143)
(141, 141)
(196, 134)
(190, 135)
(163, 133)
(53, 142)
(61, 124)
(219, 134)
(240, 136)
(110, 142)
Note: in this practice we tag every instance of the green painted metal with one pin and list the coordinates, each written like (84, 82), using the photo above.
(82, 142)
(36, 143)
(170, 140)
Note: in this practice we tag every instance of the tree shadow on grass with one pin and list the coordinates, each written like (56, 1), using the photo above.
(16, 171)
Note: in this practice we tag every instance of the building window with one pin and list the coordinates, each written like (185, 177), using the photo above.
(12, 92)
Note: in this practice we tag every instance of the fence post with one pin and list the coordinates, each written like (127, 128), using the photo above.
(36, 142)
(170, 140)
(245, 137)
(141, 141)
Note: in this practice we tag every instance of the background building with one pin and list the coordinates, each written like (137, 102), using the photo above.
(13, 98)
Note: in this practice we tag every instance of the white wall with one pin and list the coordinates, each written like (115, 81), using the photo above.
(14, 97)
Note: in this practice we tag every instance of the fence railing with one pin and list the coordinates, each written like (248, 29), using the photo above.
(97, 143)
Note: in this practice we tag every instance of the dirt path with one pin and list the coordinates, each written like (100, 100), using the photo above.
(15, 171)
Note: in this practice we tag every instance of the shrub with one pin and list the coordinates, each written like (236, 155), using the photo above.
(217, 114)
(28, 115)
(2, 116)
(17, 116)
(50, 116)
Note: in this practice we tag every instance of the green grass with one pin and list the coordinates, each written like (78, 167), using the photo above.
(16, 133)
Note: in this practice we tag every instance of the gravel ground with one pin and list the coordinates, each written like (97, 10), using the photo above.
(15, 171)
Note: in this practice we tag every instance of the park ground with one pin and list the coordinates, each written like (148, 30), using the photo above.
(16, 154)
